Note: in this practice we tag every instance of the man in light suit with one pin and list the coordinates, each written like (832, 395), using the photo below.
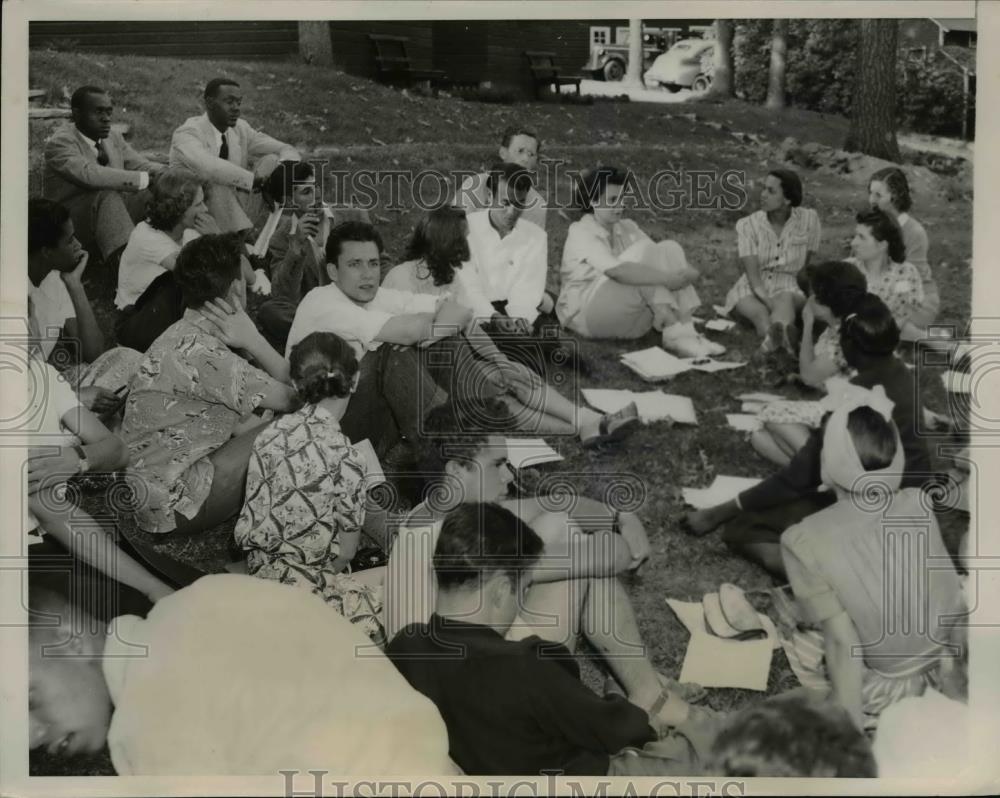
(219, 147)
(102, 181)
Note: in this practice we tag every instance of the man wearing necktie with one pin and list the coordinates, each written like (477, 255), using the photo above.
(101, 180)
(229, 155)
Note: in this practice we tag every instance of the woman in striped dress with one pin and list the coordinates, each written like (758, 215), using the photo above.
(774, 243)
(865, 581)
(889, 192)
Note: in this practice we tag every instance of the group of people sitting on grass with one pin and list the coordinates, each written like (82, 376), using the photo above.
(279, 420)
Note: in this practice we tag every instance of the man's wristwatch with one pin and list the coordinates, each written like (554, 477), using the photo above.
(84, 465)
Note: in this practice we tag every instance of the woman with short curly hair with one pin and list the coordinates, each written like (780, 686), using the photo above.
(147, 295)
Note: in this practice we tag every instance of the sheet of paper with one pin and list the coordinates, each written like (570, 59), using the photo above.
(708, 365)
(523, 452)
(744, 422)
(759, 396)
(720, 325)
(657, 406)
(373, 468)
(713, 662)
(752, 407)
(655, 363)
(720, 311)
(607, 400)
(721, 490)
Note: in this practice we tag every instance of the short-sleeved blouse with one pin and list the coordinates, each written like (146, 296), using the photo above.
(889, 571)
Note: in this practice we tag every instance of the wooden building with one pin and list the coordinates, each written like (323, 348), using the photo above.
(248, 41)
(486, 52)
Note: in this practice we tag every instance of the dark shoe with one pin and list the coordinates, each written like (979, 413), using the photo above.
(615, 426)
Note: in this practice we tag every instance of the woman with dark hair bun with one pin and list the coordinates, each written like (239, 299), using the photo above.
(774, 243)
(835, 289)
(305, 493)
(889, 191)
(879, 251)
(756, 519)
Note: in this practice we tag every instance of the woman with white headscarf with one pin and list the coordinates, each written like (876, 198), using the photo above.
(871, 569)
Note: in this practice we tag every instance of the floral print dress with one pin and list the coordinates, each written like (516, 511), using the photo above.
(186, 399)
(305, 487)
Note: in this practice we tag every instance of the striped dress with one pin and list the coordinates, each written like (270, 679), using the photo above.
(886, 568)
(780, 256)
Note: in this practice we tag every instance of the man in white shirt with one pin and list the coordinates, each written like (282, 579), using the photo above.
(517, 146)
(93, 171)
(231, 676)
(394, 390)
(220, 147)
(510, 268)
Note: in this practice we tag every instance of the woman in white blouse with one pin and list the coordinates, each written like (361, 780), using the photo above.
(147, 295)
(774, 244)
(617, 283)
(889, 192)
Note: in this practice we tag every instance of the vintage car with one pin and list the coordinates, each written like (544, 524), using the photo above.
(610, 61)
(686, 65)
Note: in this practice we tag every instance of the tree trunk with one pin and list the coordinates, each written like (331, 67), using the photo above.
(722, 76)
(633, 76)
(776, 76)
(314, 43)
(873, 112)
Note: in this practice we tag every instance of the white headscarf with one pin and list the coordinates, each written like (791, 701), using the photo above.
(840, 465)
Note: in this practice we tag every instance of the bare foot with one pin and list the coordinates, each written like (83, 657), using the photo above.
(700, 522)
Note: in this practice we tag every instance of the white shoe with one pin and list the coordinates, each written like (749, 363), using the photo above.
(714, 349)
(685, 346)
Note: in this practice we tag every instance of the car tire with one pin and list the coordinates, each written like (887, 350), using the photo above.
(614, 70)
(701, 83)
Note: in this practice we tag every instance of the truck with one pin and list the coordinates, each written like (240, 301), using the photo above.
(610, 61)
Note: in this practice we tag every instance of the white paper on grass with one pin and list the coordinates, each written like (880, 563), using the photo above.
(708, 365)
(744, 422)
(651, 405)
(655, 363)
(720, 325)
(760, 396)
(713, 662)
(523, 452)
(657, 406)
(752, 407)
(720, 311)
(721, 490)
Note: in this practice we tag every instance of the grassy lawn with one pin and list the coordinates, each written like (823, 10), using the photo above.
(339, 118)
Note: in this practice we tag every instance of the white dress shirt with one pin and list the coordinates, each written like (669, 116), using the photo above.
(513, 268)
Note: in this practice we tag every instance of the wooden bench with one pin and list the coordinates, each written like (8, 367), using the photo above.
(544, 72)
(392, 63)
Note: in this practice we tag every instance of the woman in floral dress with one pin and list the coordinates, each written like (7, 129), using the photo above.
(305, 497)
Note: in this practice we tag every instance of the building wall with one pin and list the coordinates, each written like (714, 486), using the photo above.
(354, 53)
(243, 40)
(918, 33)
